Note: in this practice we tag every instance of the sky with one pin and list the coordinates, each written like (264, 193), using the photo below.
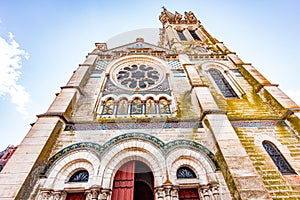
(43, 42)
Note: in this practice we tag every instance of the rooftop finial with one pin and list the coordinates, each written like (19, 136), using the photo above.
(164, 8)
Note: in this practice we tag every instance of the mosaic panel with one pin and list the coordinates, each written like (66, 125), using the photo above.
(100, 149)
(140, 125)
(264, 123)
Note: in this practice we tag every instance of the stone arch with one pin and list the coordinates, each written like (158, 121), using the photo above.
(198, 162)
(217, 65)
(60, 172)
(129, 150)
(165, 67)
(159, 96)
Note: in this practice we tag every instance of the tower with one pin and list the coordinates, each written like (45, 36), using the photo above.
(182, 119)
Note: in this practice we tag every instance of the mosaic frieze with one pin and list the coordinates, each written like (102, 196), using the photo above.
(101, 149)
(140, 125)
(257, 123)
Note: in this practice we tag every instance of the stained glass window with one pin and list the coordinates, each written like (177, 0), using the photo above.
(80, 176)
(222, 84)
(138, 76)
(194, 35)
(281, 163)
(122, 107)
(150, 106)
(181, 35)
(185, 172)
(136, 106)
(164, 107)
(108, 107)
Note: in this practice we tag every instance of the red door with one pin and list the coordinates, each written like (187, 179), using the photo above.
(75, 196)
(124, 182)
(188, 194)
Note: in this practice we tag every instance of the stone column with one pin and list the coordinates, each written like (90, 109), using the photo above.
(174, 193)
(159, 193)
(58, 195)
(166, 192)
(215, 191)
(93, 193)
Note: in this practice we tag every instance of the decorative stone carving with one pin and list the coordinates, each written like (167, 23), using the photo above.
(190, 17)
(104, 194)
(177, 17)
(45, 195)
(56, 195)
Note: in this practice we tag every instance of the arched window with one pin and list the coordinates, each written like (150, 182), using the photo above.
(181, 35)
(185, 172)
(164, 106)
(194, 35)
(136, 107)
(222, 84)
(150, 106)
(122, 107)
(80, 176)
(281, 163)
(108, 107)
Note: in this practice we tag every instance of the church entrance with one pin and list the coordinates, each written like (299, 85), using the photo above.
(133, 181)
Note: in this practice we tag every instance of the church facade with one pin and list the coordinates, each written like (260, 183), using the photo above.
(184, 119)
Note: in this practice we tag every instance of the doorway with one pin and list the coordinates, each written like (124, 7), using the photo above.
(133, 181)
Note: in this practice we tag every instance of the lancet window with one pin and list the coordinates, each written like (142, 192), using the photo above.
(222, 84)
(181, 35)
(278, 159)
(194, 35)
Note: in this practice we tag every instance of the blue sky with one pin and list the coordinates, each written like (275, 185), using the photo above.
(43, 42)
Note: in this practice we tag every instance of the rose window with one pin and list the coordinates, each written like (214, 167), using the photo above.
(138, 76)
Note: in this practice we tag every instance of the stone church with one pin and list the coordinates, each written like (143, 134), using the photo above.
(184, 119)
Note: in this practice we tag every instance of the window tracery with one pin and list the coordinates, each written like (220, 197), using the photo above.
(185, 172)
(278, 159)
(80, 176)
(138, 76)
(222, 84)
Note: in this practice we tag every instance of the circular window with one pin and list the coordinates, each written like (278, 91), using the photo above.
(137, 74)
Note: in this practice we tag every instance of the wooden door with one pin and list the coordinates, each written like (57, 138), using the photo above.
(123, 185)
(188, 194)
(75, 196)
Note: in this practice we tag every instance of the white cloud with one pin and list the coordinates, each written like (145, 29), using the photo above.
(294, 94)
(10, 64)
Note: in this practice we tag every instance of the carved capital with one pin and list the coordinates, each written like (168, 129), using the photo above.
(104, 194)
